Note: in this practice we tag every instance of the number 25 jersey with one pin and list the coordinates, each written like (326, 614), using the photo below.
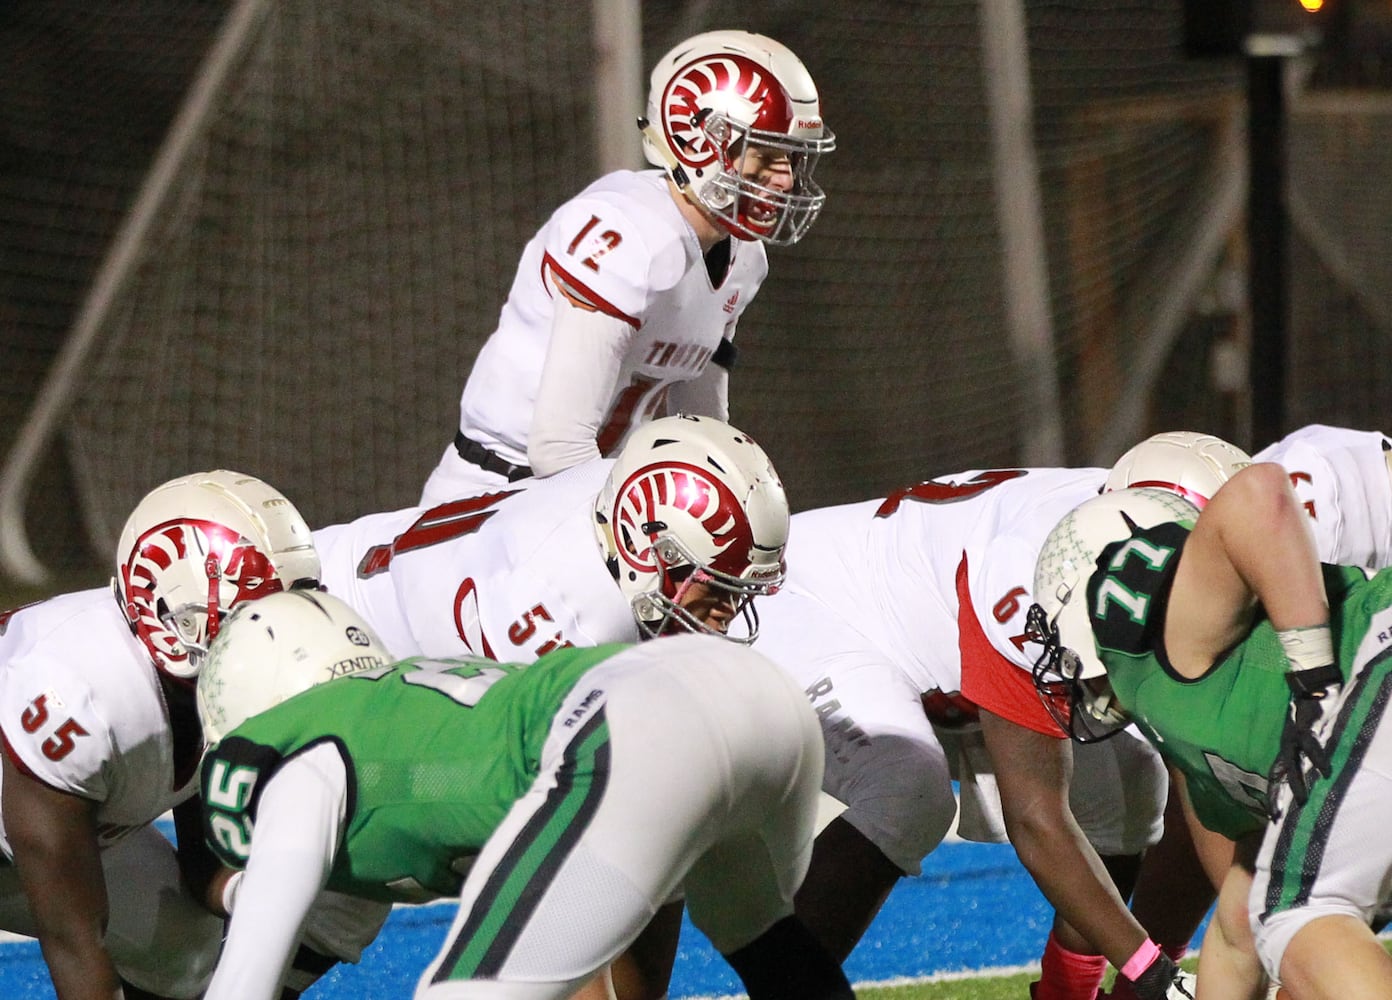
(435, 754)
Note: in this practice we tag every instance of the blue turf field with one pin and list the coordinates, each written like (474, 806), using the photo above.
(973, 907)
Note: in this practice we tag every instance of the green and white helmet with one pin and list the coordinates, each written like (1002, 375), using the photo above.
(273, 648)
(1070, 676)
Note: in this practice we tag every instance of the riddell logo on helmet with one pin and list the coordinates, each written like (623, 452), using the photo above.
(811, 124)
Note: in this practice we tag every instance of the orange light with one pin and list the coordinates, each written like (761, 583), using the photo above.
(1312, 6)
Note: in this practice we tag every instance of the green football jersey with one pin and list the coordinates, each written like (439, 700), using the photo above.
(436, 753)
(1223, 729)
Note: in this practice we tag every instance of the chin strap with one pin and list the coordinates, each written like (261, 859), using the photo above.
(674, 169)
(214, 571)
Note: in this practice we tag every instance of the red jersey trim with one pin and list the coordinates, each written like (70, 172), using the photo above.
(989, 679)
(580, 294)
(20, 766)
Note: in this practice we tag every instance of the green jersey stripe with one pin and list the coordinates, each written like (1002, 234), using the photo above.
(1301, 843)
(515, 887)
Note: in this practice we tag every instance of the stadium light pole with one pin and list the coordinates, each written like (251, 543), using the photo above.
(1268, 267)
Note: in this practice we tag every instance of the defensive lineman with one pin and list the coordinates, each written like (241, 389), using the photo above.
(1263, 677)
(569, 801)
(625, 303)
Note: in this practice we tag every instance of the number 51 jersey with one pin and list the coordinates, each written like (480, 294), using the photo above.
(508, 575)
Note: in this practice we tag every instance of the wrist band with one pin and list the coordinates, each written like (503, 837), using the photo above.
(229, 891)
(1141, 960)
(1305, 648)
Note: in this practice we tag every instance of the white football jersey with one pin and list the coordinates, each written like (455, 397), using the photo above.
(1342, 478)
(81, 709)
(509, 575)
(623, 248)
(889, 567)
(894, 605)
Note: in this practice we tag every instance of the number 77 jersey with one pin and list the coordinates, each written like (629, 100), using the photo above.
(508, 575)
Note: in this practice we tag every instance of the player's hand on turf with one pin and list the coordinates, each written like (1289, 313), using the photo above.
(1314, 700)
(1184, 986)
(1162, 980)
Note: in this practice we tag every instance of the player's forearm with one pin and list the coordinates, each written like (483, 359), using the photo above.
(277, 892)
(1072, 878)
(578, 382)
(1228, 962)
(53, 837)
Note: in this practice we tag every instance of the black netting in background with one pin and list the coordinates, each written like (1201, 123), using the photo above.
(337, 248)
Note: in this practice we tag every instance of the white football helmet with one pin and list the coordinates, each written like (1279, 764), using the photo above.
(691, 499)
(1191, 464)
(720, 94)
(196, 547)
(272, 649)
(1069, 674)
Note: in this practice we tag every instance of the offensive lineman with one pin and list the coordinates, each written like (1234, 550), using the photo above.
(625, 303)
(566, 802)
(101, 737)
(682, 531)
(897, 603)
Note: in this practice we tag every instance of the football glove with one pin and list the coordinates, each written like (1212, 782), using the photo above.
(1164, 980)
(1314, 700)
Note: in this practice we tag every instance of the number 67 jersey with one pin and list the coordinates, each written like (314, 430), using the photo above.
(508, 575)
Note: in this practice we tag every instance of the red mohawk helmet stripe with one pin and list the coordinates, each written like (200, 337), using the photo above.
(1193, 496)
(722, 72)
